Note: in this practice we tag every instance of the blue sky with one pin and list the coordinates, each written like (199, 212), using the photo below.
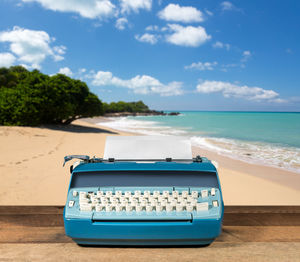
(177, 55)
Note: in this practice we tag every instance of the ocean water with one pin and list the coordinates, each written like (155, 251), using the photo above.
(266, 138)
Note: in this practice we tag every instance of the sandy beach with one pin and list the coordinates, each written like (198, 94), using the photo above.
(32, 174)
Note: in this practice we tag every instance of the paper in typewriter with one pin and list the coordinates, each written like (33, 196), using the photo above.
(147, 147)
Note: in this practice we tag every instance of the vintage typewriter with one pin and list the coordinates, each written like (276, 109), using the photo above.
(147, 201)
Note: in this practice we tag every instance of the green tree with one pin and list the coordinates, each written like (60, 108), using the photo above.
(33, 98)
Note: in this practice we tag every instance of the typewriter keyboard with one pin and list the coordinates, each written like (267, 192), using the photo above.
(144, 200)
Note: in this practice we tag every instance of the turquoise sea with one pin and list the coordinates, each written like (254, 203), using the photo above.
(269, 138)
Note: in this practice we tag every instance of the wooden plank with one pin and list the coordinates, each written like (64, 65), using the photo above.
(9, 210)
(230, 234)
(23, 210)
(225, 252)
(45, 225)
(234, 215)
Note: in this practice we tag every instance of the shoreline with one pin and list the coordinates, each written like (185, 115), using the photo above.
(99, 120)
(32, 174)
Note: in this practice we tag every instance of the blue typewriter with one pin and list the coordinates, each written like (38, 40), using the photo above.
(143, 201)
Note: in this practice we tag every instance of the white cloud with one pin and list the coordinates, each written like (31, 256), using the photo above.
(87, 8)
(152, 28)
(202, 66)
(219, 44)
(246, 55)
(228, 6)
(7, 59)
(128, 6)
(187, 36)
(147, 38)
(66, 71)
(121, 23)
(209, 12)
(81, 70)
(177, 13)
(233, 90)
(140, 84)
(30, 46)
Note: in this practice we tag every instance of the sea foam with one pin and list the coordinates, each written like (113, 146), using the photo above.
(249, 151)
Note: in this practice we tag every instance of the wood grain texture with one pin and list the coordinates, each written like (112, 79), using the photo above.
(36, 233)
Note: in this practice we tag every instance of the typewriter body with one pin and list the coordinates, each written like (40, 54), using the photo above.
(166, 201)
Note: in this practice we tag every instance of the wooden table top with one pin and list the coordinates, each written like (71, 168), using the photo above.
(250, 233)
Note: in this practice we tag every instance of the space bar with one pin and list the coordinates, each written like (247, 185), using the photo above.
(168, 217)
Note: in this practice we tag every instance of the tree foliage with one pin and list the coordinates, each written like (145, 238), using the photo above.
(121, 106)
(33, 98)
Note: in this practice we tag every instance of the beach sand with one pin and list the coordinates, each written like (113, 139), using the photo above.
(31, 169)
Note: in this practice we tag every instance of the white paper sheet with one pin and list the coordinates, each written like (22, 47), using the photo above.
(147, 147)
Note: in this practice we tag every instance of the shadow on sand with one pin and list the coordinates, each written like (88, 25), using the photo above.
(75, 128)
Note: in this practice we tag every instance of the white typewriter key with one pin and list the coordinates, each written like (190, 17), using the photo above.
(108, 193)
(202, 206)
(95, 201)
(169, 208)
(149, 208)
(189, 208)
(215, 203)
(118, 208)
(160, 198)
(118, 193)
(100, 193)
(184, 193)
(179, 208)
(213, 191)
(99, 208)
(108, 208)
(173, 203)
(74, 193)
(153, 204)
(165, 193)
(137, 192)
(84, 201)
(195, 194)
(82, 194)
(93, 197)
(104, 201)
(147, 193)
(124, 201)
(175, 193)
(193, 202)
(115, 201)
(171, 198)
(128, 208)
(127, 193)
(204, 193)
(156, 193)
(180, 199)
(164, 202)
(140, 199)
(154, 201)
(71, 203)
(190, 199)
(158, 208)
(138, 208)
(103, 198)
(144, 203)
(134, 201)
(111, 198)
(85, 208)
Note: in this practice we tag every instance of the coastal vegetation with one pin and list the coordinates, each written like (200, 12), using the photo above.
(32, 98)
